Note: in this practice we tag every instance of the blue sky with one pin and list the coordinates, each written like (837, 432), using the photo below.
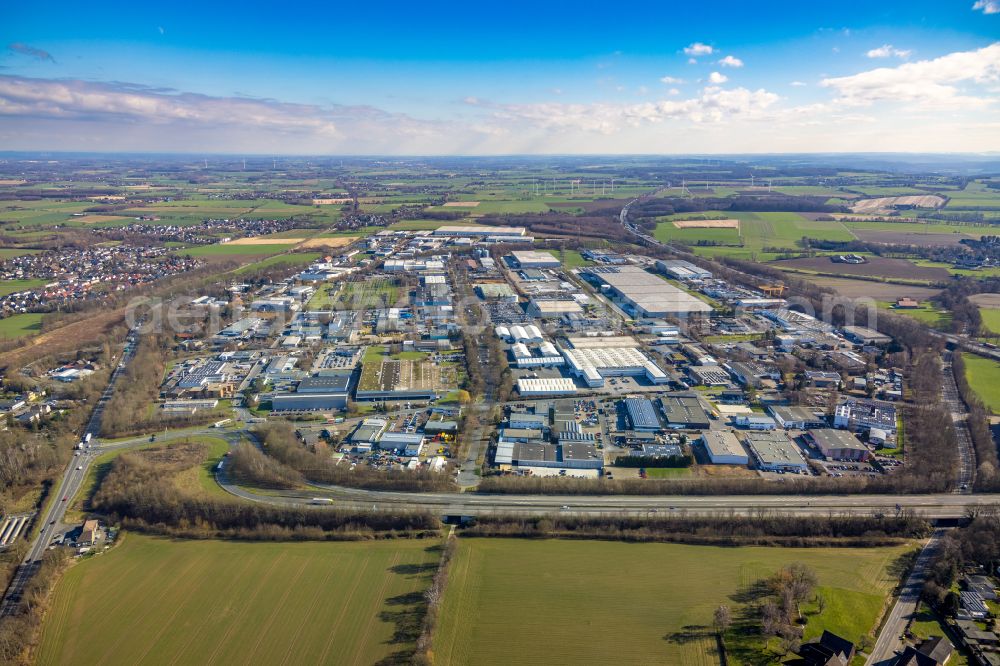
(502, 77)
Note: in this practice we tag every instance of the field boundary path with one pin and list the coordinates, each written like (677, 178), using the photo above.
(890, 637)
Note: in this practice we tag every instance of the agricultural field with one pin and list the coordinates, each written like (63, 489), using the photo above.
(756, 232)
(376, 292)
(927, 313)
(983, 375)
(879, 291)
(20, 325)
(895, 269)
(153, 600)
(14, 286)
(236, 249)
(511, 601)
(975, 195)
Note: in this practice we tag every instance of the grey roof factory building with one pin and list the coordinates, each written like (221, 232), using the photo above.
(684, 411)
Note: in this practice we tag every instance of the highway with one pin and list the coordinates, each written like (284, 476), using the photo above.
(68, 485)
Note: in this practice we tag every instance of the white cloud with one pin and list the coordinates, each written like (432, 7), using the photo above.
(930, 83)
(887, 50)
(670, 80)
(673, 91)
(987, 6)
(714, 105)
(717, 78)
(698, 49)
(730, 61)
(798, 84)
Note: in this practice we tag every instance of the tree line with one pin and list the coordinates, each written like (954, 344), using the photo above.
(755, 528)
(139, 492)
(987, 465)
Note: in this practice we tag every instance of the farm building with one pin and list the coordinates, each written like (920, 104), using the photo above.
(837, 444)
(774, 452)
(723, 448)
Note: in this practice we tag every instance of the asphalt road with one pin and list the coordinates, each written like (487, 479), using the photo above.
(890, 639)
(70, 482)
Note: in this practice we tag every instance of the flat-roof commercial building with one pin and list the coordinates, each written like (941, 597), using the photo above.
(534, 259)
(580, 455)
(548, 308)
(642, 414)
(837, 444)
(684, 411)
(643, 294)
(542, 386)
(533, 421)
(774, 452)
(406, 443)
(327, 391)
(865, 336)
(368, 432)
(593, 364)
(491, 291)
(683, 270)
(482, 231)
(536, 455)
(859, 414)
(724, 448)
(754, 422)
(796, 418)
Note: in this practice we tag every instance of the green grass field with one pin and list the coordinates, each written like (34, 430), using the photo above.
(927, 313)
(160, 601)
(20, 325)
(991, 319)
(984, 378)
(757, 231)
(513, 601)
(13, 286)
(234, 249)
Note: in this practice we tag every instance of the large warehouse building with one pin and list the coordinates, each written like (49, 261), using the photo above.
(592, 362)
(534, 259)
(483, 231)
(316, 393)
(643, 294)
(684, 411)
(528, 387)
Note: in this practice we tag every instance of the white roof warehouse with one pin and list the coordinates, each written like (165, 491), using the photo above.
(648, 295)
